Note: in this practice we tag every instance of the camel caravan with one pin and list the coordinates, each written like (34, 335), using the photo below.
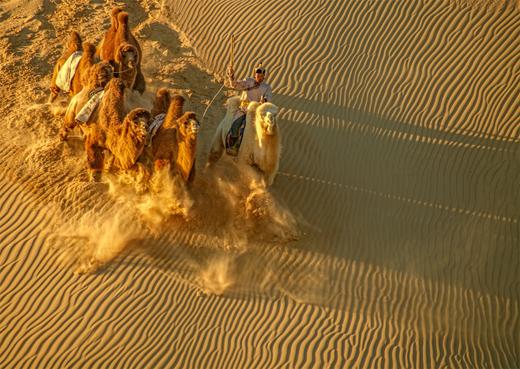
(120, 135)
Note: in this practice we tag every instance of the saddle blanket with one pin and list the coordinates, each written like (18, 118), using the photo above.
(67, 71)
(157, 122)
(86, 111)
(235, 135)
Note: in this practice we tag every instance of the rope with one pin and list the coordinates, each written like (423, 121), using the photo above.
(211, 102)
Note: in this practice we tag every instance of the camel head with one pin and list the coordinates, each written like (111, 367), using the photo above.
(127, 56)
(127, 141)
(266, 116)
(188, 125)
(100, 74)
(139, 117)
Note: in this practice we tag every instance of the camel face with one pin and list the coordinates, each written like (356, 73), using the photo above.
(189, 125)
(127, 56)
(130, 59)
(268, 122)
(139, 117)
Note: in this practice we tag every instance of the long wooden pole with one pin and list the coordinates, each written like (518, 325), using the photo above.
(231, 62)
(232, 52)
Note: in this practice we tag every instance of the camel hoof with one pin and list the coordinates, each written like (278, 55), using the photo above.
(94, 176)
(63, 135)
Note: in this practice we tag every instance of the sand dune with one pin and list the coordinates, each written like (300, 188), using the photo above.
(388, 240)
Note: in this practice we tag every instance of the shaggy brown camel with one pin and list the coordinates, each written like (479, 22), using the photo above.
(73, 45)
(119, 33)
(95, 81)
(88, 59)
(124, 137)
(106, 48)
(176, 141)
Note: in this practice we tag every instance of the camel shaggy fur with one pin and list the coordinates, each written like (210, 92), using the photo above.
(123, 136)
(88, 59)
(161, 102)
(96, 78)
(261, 142)
(119, 33)
(127, 59)
(73, 44)
(106, 48)
(175, 143)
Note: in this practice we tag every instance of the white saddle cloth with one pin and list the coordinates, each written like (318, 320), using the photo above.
(67, 71)
(91, 105)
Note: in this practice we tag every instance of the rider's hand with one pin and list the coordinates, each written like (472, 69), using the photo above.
(230, 72)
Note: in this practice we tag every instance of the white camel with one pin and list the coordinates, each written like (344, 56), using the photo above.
(261, 142)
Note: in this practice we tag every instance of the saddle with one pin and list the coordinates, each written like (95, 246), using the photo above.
(235, 135)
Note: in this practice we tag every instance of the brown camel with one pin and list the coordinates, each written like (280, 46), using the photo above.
(176, 141)
(95, 81)
(106, 48)
(88, 59)
(119, 33)
(73, 44)
(123, 136)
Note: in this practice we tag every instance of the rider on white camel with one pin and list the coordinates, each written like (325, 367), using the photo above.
(254, 89)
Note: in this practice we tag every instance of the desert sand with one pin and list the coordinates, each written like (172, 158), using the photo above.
(389, 239)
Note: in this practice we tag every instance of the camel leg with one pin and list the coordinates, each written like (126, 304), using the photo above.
(140, 83)
(217, 147)
(66, 128)
(94, 158)
(53, 95)
(191, 175)
(269, 178)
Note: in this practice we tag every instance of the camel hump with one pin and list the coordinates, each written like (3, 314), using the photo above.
(74, 41)
(161, 101)
(114, 12)
(122, 18)
(88, 48)
(253, 106)
(233, 103)
(162, 93)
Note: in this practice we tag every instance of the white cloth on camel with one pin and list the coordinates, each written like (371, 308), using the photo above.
(91, 105)
(154, 126)
(67, 71)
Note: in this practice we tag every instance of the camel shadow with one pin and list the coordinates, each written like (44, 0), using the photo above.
(442, 206)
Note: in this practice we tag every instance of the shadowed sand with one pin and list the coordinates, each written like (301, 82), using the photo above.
(388, 240)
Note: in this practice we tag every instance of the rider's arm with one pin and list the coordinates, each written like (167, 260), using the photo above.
(241, 84)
